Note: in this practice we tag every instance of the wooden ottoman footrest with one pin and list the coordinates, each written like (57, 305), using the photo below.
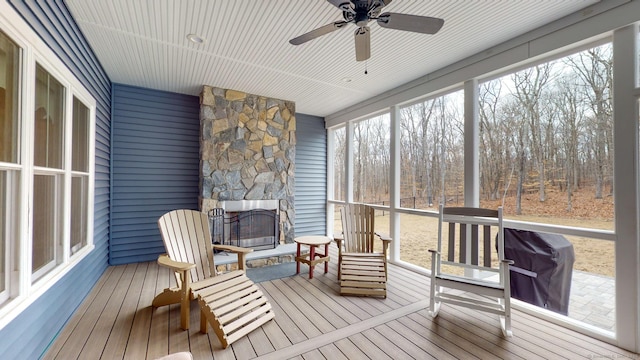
(363, 275)
(234, 307)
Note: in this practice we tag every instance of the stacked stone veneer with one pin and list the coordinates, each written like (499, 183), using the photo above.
(247, 151)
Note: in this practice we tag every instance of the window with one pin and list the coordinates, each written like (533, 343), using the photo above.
(431, 158)
(9, 208)
(46, 224)
(339, 151)
(9, 155)
(546, 156)
(546, 142)
(48, 179)
(9, 77)
(52, 172)
(47, 122)
(431, 155)
(371, 160)
(80, 175)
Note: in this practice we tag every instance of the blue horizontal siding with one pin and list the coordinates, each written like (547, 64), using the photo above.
(29, 335)
(311, 175)
(155, 167)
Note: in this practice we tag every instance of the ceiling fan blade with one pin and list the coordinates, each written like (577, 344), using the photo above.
(323, 30)
(363, 43)
(415, 23)
(344, 5)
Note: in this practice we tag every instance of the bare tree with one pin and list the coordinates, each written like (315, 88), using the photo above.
(339, 162)
(360, 157)
(379, 148)
(408, 153)
(417, 148)
(595, 68)
(453, 120)
(371, 159)
(529, 87)
(517, 146)
(492, 139)
(428, 142)
(569, 107)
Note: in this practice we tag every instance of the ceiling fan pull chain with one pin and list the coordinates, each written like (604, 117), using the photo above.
(365, 67)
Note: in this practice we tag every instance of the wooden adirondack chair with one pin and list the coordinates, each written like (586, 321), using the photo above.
(231, 302)
(458, 265)
(361, 270)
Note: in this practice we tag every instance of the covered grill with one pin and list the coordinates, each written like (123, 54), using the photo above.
(542, 269)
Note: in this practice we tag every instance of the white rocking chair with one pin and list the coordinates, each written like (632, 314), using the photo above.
(482, 285)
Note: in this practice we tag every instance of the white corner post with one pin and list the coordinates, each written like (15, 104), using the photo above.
(348, 164)
(625, 180)
(331, 156)
(471, 145)
(394, 183)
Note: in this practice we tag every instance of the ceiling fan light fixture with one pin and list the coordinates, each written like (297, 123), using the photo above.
(360, 13)
(196, 39)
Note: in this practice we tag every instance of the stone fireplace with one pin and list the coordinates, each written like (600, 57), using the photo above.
(247, 152)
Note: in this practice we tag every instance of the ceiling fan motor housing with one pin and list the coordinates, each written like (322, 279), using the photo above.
(361, 8)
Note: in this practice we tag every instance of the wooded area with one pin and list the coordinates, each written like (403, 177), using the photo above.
(547, 127)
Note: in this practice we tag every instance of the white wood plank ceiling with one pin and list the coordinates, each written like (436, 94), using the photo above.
(143, 43)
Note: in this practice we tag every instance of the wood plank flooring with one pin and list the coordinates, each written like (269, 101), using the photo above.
(312, 321)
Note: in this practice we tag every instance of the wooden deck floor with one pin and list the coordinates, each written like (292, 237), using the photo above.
(312, 321)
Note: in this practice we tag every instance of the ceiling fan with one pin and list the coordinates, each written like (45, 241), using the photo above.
(360, 12)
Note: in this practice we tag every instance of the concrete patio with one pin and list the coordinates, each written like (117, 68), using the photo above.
(593, 300)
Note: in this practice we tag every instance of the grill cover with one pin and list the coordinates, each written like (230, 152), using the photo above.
(543, 264)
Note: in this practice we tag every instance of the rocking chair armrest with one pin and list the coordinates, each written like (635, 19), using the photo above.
(165, 260)
(384, 237)
(233, 249)
(435, 254)
(507, 262)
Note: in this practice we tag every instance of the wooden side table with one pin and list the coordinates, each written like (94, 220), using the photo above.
(310, 258)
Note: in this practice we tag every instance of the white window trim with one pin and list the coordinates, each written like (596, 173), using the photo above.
(23, 291)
